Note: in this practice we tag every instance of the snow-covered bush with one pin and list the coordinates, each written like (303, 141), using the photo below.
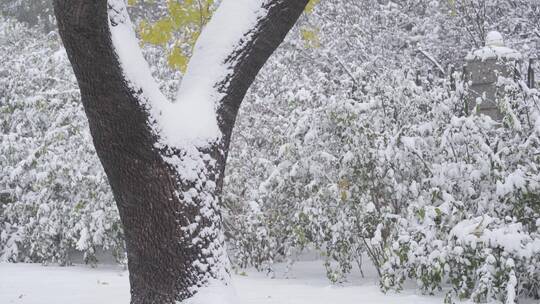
(54, 197)
(355, 148)
(398, 173)
(291, 169)
(37, 13)
(472, 220)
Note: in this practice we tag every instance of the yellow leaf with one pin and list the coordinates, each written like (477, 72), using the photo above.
(310, 37)
(343, 195)
(158, 33)
(177, 59)
(181, 28)
(344, 184)
(311, 5)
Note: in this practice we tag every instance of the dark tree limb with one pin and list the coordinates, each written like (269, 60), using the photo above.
(168, 235)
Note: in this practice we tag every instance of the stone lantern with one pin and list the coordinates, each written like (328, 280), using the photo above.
(483, 67)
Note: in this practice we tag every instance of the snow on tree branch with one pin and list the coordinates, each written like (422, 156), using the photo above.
(192, 116)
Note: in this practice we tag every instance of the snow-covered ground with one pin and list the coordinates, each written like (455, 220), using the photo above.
(304, 284)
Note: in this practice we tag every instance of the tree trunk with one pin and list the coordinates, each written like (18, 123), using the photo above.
(169, 210)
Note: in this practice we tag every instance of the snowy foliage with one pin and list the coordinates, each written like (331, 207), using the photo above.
(358, 147)
(54, 197)
(38, 13)
(470, 213)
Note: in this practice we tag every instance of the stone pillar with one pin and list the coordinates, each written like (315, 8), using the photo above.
(483, 67)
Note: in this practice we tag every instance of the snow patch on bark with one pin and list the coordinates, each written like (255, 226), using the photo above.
(227, 31)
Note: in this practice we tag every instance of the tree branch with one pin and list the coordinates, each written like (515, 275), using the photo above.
(231, 50)
(262, 41)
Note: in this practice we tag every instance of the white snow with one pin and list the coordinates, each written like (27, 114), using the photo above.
(494, 38)
(225, 33)
(408, 142)
(215, 293)
(494, 52)
(514, 181)
(192, 117)
(494, 49)
(511, 237)
(306, 284)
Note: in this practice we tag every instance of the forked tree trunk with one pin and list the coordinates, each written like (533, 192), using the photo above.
(171, 218)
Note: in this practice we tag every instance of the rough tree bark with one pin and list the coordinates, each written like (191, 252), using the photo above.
(172, 223)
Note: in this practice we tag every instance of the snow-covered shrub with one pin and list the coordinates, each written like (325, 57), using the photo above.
(54, 197)
(354, 147)
(398, 173)
(30, 12)
(472, 221)
(307, 142)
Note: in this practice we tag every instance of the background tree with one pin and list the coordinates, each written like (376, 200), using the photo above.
(164, 160)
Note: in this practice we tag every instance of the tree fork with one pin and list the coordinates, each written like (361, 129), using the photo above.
(174, 243)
